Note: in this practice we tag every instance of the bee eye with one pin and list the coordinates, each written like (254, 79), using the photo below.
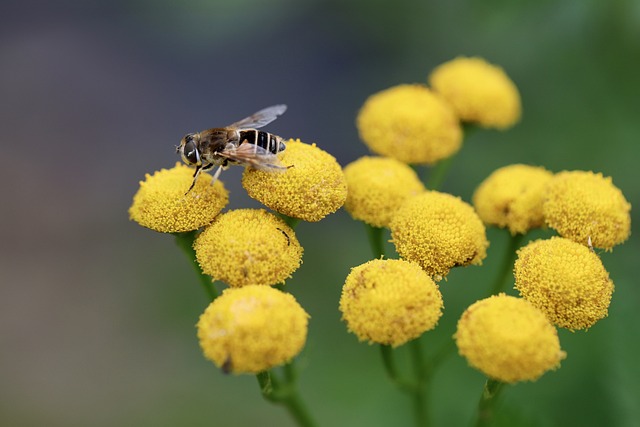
(190, 151)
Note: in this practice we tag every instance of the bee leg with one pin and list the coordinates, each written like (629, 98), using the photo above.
(195, 178)
(216, 174)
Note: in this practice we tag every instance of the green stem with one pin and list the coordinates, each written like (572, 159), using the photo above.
(487, 405)
(438, 172)
(376, 240)
(185, 242)
(507, 264)
(417, 389)
(289, 220)
(420, 392)
(284, 392)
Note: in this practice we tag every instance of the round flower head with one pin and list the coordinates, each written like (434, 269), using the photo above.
(390, 302)
(508, 339)
(583, 205)
(564, 279)
(377, 187)
(512, 197)
(252, 329)
(162, 205)
(409, 123)
(248, 247)
(311, 188)
(438, 231)
(478, 91)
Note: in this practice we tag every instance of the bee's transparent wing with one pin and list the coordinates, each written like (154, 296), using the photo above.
(253, 155)
(261, 118)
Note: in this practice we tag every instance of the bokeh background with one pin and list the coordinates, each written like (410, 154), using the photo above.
(97, 314)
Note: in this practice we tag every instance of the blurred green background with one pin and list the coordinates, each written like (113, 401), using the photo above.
(97, 314)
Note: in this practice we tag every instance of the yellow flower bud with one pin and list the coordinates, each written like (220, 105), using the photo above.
(480, 92)
(377, 187)
(583, 205)
(508, 339)
(564, 279)
(409, 123)
(248, 247)
(252, 329)
(162, 205)
(512, 197)
(438, 231)
(390, 302)
(311, 188)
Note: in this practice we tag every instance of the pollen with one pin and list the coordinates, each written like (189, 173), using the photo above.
(479, 92)
(409, 123)
(248, 247)
(508, 339)
(162, 205)
(252, 329)
(377, 187)
(564, 279)
(390, 302)
(438, 231)
(312, 187)
(512, 197)
(584, 205)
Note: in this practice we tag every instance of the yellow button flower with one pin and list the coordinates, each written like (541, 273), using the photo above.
(248, 247)
(377, 187)
(438, 231)
(512, 197)
(480, 92)
(162, 205)
(252, 329)
(564, 279)
(390, 302)
(508, 339)
(582, 205)
(409, 123)
(311, 188)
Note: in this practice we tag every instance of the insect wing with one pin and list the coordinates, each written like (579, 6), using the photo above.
(261, 118)
(253, 155)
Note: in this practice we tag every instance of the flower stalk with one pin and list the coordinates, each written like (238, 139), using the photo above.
(185, 242)
(488, 401)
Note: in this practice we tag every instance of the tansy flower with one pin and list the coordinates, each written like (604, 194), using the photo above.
(390, 302)
(582, 205)
(480, 92)
(248, 247)
(564, 279)
(512, 197)
(252, 329)
(162, 205)
(409, 123)
(438, 231)
(508, 339)
(377, 187)
(311, 188)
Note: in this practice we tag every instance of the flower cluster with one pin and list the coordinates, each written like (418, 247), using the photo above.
(251, 327)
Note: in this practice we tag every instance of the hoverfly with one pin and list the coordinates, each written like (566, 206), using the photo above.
(240, 143)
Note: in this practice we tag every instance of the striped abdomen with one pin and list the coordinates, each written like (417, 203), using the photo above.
(271, 143)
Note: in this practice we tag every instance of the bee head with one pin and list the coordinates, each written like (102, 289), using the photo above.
(188, 150)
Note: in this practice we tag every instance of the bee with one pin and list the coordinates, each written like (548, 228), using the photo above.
(240, 143)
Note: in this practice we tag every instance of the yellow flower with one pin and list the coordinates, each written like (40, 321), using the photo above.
(162, 205)
(377, 187)
(311, 188)
(512, 197)
(252, 329)
(248, 247)
(409, 123)
(480, 92)
(438, 231)
(564, 279)
(508, 339)
(582, 205)
(390, 302)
